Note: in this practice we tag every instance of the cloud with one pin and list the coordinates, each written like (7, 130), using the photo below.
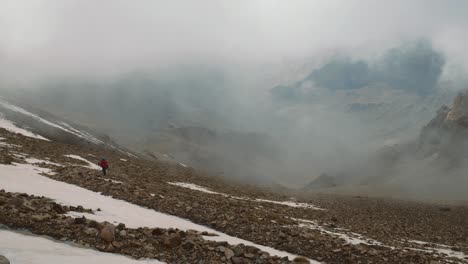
(100, 37)
(414, 67)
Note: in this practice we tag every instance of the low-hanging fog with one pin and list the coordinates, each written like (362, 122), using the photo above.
(273, 92)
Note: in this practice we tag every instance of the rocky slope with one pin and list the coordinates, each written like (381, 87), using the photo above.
(332, 229)
(447, 133)
(45, 217)
(52, 127)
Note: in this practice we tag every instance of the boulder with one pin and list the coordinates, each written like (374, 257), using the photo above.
(300, 260)
(173, 240)
(108, 233)
(91, 231)
(228, 253)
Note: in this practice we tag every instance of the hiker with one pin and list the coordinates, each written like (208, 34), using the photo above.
(104, 165)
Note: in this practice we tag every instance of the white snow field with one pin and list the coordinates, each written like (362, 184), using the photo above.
(90, 164)
(28, 249)
(10, 126)
(26, 178)
(206, 190)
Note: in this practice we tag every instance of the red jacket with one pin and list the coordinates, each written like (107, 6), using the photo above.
(103, 164)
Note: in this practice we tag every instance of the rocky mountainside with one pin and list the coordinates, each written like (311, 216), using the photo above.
(155, 212)
(52, 127)
(391, 96)
(386, 115)
(447, 133)
(431, 165)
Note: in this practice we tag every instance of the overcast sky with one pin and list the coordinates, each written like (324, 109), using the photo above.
(66, 36)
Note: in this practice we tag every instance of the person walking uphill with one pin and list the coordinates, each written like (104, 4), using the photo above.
(104, 165)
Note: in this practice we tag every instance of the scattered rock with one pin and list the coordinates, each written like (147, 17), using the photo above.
(238, 260)
(91, 231)
(157, 232)
(221, 249)
(172, 240)
(117, 244)
(80, 221)
(229, 253)
(40, 217)
(58, 208)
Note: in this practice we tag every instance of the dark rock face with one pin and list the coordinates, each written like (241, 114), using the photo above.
(447, 133)
(4, 260)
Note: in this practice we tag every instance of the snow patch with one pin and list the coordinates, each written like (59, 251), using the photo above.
(183, 165)
(128, 154)
(29, 249)
(113, 181)
(349, 237)
(291, 204)
(124, 160)
(26, 178)
(90, 164)
(82, 134)
(19, 155)
(441, 249)
(6, 145)
(131, 155)
(36, 161)
(10, 126)
(206, 190)
(197, 188)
